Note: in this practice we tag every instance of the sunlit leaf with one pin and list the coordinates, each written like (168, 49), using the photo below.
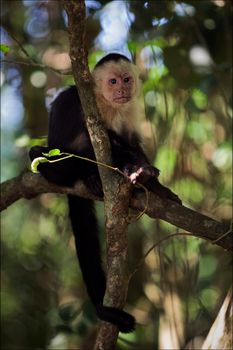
(53, 152)
(209, 297)
(197, 132)
(40, 141)
(4, 48)
(189, 190)
(222, 157)
(208, 265)
(199, 98)
(36, 162)
(166, 161)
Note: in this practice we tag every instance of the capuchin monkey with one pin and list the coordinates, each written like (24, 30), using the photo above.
(117, 90)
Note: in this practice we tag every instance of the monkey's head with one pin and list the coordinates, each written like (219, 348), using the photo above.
(116, 80)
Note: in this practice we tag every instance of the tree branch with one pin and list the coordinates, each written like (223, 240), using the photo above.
(116, 189)
(29, 185)
(187, 219)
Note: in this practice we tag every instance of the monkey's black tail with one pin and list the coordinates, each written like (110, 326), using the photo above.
(85, 229)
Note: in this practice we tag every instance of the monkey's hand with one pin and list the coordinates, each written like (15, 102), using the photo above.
(141, 174)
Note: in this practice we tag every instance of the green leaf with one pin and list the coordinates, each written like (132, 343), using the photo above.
(199, 98)
(36, 162)
(166, 160)
(4, 48)
(40, 141)
(53, 152)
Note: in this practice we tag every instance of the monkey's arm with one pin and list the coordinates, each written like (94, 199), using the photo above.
(127, 156)
(131, 159)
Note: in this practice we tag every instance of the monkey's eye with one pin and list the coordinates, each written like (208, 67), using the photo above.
(126, 80)
(112, 81)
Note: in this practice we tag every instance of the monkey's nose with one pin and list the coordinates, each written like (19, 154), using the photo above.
(120, 92)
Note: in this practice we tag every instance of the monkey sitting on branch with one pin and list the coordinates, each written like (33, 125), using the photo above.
(117, 90)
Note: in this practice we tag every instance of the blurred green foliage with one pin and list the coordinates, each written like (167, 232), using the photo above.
(184, 53)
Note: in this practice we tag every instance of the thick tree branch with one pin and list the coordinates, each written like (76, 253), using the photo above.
(29, 185)
(187, 219)
(116, 190)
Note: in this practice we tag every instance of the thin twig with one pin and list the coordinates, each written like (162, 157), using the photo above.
(92, 161)
(20, 46)
(39, 65)
(137, 217)
(154, 246)
(224, 235)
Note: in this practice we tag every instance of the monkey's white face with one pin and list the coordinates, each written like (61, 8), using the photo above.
(117, 90)
(118, 87)
(116, 83)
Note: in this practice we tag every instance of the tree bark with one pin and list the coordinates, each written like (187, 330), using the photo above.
(116, 189)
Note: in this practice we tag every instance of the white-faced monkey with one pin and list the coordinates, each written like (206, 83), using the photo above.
(117, 90)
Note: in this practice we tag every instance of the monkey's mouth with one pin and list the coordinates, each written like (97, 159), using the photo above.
(122, 99)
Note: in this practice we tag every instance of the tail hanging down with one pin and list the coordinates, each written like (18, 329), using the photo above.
(85, 229)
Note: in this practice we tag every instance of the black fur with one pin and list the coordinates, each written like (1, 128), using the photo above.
(67, 131)
(111, 57)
